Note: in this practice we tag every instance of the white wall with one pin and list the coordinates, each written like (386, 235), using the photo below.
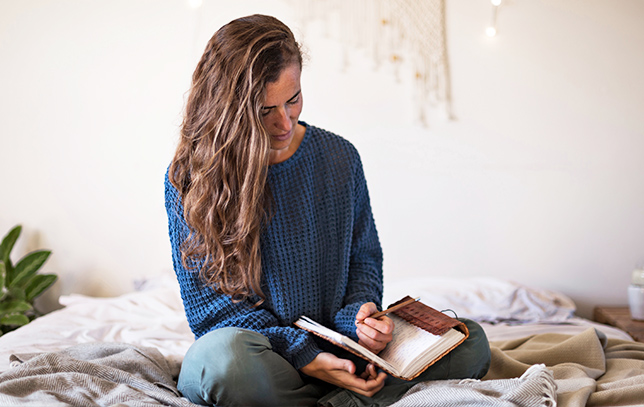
(538, 180)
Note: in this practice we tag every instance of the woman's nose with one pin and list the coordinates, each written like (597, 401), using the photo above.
(282, 119)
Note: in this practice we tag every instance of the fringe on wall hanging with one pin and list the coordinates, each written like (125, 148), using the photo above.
(409, 34)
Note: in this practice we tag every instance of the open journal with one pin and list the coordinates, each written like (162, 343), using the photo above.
(421, 336)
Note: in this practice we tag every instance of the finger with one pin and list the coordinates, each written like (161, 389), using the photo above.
(365, 310)
(366, 340)
(331, 362)
(371, 344)
(365, 386)
(380, 379)
(369, 372)
(384, 324)
(371, 386)
(344, 364)
(368, 330)
(373, 333)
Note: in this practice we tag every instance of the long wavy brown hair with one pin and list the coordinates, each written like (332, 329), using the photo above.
(221, 162)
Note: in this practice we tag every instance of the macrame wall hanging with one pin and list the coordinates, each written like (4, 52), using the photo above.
(409, 34)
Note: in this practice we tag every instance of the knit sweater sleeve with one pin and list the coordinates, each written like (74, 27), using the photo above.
(365, 281)
(207, 310)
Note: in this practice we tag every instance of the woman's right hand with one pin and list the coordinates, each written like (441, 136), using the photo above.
(341, 372)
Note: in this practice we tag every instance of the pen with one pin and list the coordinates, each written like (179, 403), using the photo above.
(394, 308)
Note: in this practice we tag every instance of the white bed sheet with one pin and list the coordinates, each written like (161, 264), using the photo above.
(154, 316)
(505, 309)
(485, 298)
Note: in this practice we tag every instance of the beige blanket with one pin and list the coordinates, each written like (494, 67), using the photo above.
(589, 369)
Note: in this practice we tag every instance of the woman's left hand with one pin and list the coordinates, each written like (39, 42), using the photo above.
(373, 333)
(341, 372)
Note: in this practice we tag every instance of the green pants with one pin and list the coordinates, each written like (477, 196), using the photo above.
(237, 367)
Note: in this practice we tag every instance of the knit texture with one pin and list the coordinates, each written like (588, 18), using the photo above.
(321, 256)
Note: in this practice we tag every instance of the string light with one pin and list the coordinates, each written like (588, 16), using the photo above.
(491, 30)
(408, 34)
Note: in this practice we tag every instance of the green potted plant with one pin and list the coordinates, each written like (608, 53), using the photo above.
(20, 284)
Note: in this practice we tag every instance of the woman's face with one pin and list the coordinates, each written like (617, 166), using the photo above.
(280, 112)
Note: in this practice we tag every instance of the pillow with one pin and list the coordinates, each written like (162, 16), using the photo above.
(484, 299)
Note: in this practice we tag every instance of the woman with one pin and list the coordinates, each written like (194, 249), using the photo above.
(269, 220)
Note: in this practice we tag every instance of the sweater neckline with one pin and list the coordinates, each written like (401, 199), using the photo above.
(296, 155)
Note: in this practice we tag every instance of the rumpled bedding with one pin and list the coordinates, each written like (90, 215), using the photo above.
(153, 318)
(114, 374)
(485, 299)
(548, 369)
(535, 388)
(589, 368)
(93, 374)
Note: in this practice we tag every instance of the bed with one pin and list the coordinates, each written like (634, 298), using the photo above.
(127, 350)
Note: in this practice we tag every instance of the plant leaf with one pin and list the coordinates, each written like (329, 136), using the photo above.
(9, 273)
(38, 284)
(11, 307)
(8, 241)
(3, 273)
(14, 319)
(27, 267)
(17, 293)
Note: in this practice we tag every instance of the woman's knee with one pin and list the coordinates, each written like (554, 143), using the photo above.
(476, 350)
(469, 360)
(220, 365)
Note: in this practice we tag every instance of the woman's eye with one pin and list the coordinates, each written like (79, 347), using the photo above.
(294, 101)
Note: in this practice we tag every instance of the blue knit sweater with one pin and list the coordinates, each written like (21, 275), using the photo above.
(320, 253)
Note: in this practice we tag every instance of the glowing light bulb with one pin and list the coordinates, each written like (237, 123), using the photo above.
(490, 31)
(496, 2)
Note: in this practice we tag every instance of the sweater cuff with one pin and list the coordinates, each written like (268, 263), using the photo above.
(345, 320)
(306, 355)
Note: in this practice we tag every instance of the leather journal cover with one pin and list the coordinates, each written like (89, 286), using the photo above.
(422, 336)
